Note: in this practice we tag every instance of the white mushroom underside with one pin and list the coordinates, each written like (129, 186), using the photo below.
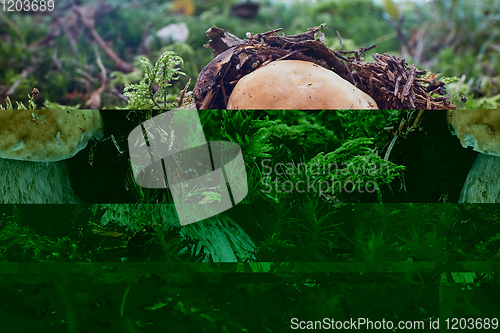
(483, 181)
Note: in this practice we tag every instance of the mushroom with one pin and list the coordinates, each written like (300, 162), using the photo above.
(479, 129)
(297, 84)
(33, 145)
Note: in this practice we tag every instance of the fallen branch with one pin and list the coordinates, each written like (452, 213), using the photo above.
(24, 74)
(94, 101)
(89, 24)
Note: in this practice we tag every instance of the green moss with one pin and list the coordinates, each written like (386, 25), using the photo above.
(20, 243)
(354, 166)
(142, 96)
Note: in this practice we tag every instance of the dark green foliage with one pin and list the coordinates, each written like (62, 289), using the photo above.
(378, 233)
(426, 261)
(75, 234)
(261, 135)
(251, 134)
(19, 243)
(367, 124)
(293, 140)
(354, 163)
(286, 151)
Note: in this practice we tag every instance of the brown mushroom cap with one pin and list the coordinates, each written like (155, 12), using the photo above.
(296, 84)
(479, 129)
(47, 135)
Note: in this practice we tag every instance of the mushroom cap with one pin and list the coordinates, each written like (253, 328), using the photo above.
(479, 129)
(47, 135)
(297, 84)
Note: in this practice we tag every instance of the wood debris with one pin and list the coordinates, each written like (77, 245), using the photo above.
(389, 80)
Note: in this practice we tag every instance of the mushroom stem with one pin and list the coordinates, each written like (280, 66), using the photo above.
(220, 237)
(32, 145)
(479, 129)
(26, 182)
(483, 181)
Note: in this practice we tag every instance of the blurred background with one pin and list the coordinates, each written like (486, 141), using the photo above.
(83, 53)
